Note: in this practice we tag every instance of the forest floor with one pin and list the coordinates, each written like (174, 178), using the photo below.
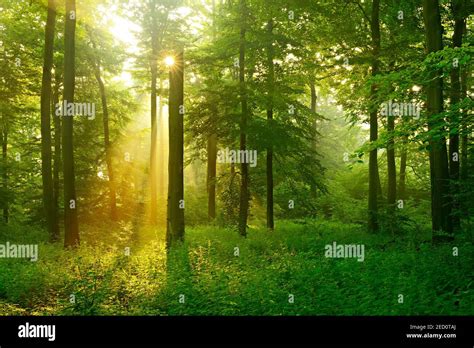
(216, 272)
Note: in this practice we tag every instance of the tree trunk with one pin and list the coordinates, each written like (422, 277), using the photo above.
(374, 180)
(440, 205)
(212, 148)
(465, 128)
(244, 175)
(108, 154)
(391, 168)
(46, 155)
(160, 147)
(403, 169)
(455, 97)
(314, 99)
(6, 214)
(71, 227)
(211, 176)
(175, 226)
(271, 78)
(154, 128)
(57, 157)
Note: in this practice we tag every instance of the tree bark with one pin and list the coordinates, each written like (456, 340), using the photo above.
(57, 156)
(403, 169)
(6, 214)
(175, 226)
(154, 128)
(391, 167)
(270, 82)
(160, 147)
(46, 155)
(244, 175)
(211, 176)
(374, 180)
(465, 128)
(212, 148)
(314, 99)
(108, 153)
(455, 97)
(71, 227)
(440, 204)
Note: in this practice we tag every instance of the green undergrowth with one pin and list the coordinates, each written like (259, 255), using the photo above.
(216, 272)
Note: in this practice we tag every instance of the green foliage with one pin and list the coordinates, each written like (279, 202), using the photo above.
(269, 268)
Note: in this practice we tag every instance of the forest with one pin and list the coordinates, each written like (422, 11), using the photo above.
(236, 157)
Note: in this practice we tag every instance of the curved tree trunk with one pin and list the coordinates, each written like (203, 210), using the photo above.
(108, 154)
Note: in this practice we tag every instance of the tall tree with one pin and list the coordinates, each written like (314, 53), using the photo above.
(108, 152)
(391, 167)
(46, 154)
(374, 179)
(244, 171)
(175, 225)
(212, 147)
(71, 227)
(270, 82)
(154, 126)
(465, 126)
(403, 169)
(5, 166)
(211, 175)
(440, 206)
(455, 96)
(57, 153)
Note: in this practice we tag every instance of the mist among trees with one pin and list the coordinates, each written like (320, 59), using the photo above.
(236, 157)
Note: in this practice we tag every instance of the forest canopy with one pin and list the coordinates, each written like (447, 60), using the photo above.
(164, 150)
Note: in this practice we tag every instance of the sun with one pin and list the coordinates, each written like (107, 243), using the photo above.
(169, 61)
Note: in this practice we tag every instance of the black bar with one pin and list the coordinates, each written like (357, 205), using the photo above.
(242, 330)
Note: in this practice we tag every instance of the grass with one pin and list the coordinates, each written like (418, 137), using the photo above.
(210, 279)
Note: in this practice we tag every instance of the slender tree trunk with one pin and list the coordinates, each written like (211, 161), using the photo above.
(314, 99)
(57, 156)
(403, 169)
(6, 214)
(46, 155)
(465, 131)
(271, 79)
(211, 176)
(374, 180)
(244, 175)
(154, 128)
(391, 167)
(455, 97)
(175, 226)
(108, 153)
(465, 128)
(160, 151)
(71, 227)
(440, 204)
(212, 148)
